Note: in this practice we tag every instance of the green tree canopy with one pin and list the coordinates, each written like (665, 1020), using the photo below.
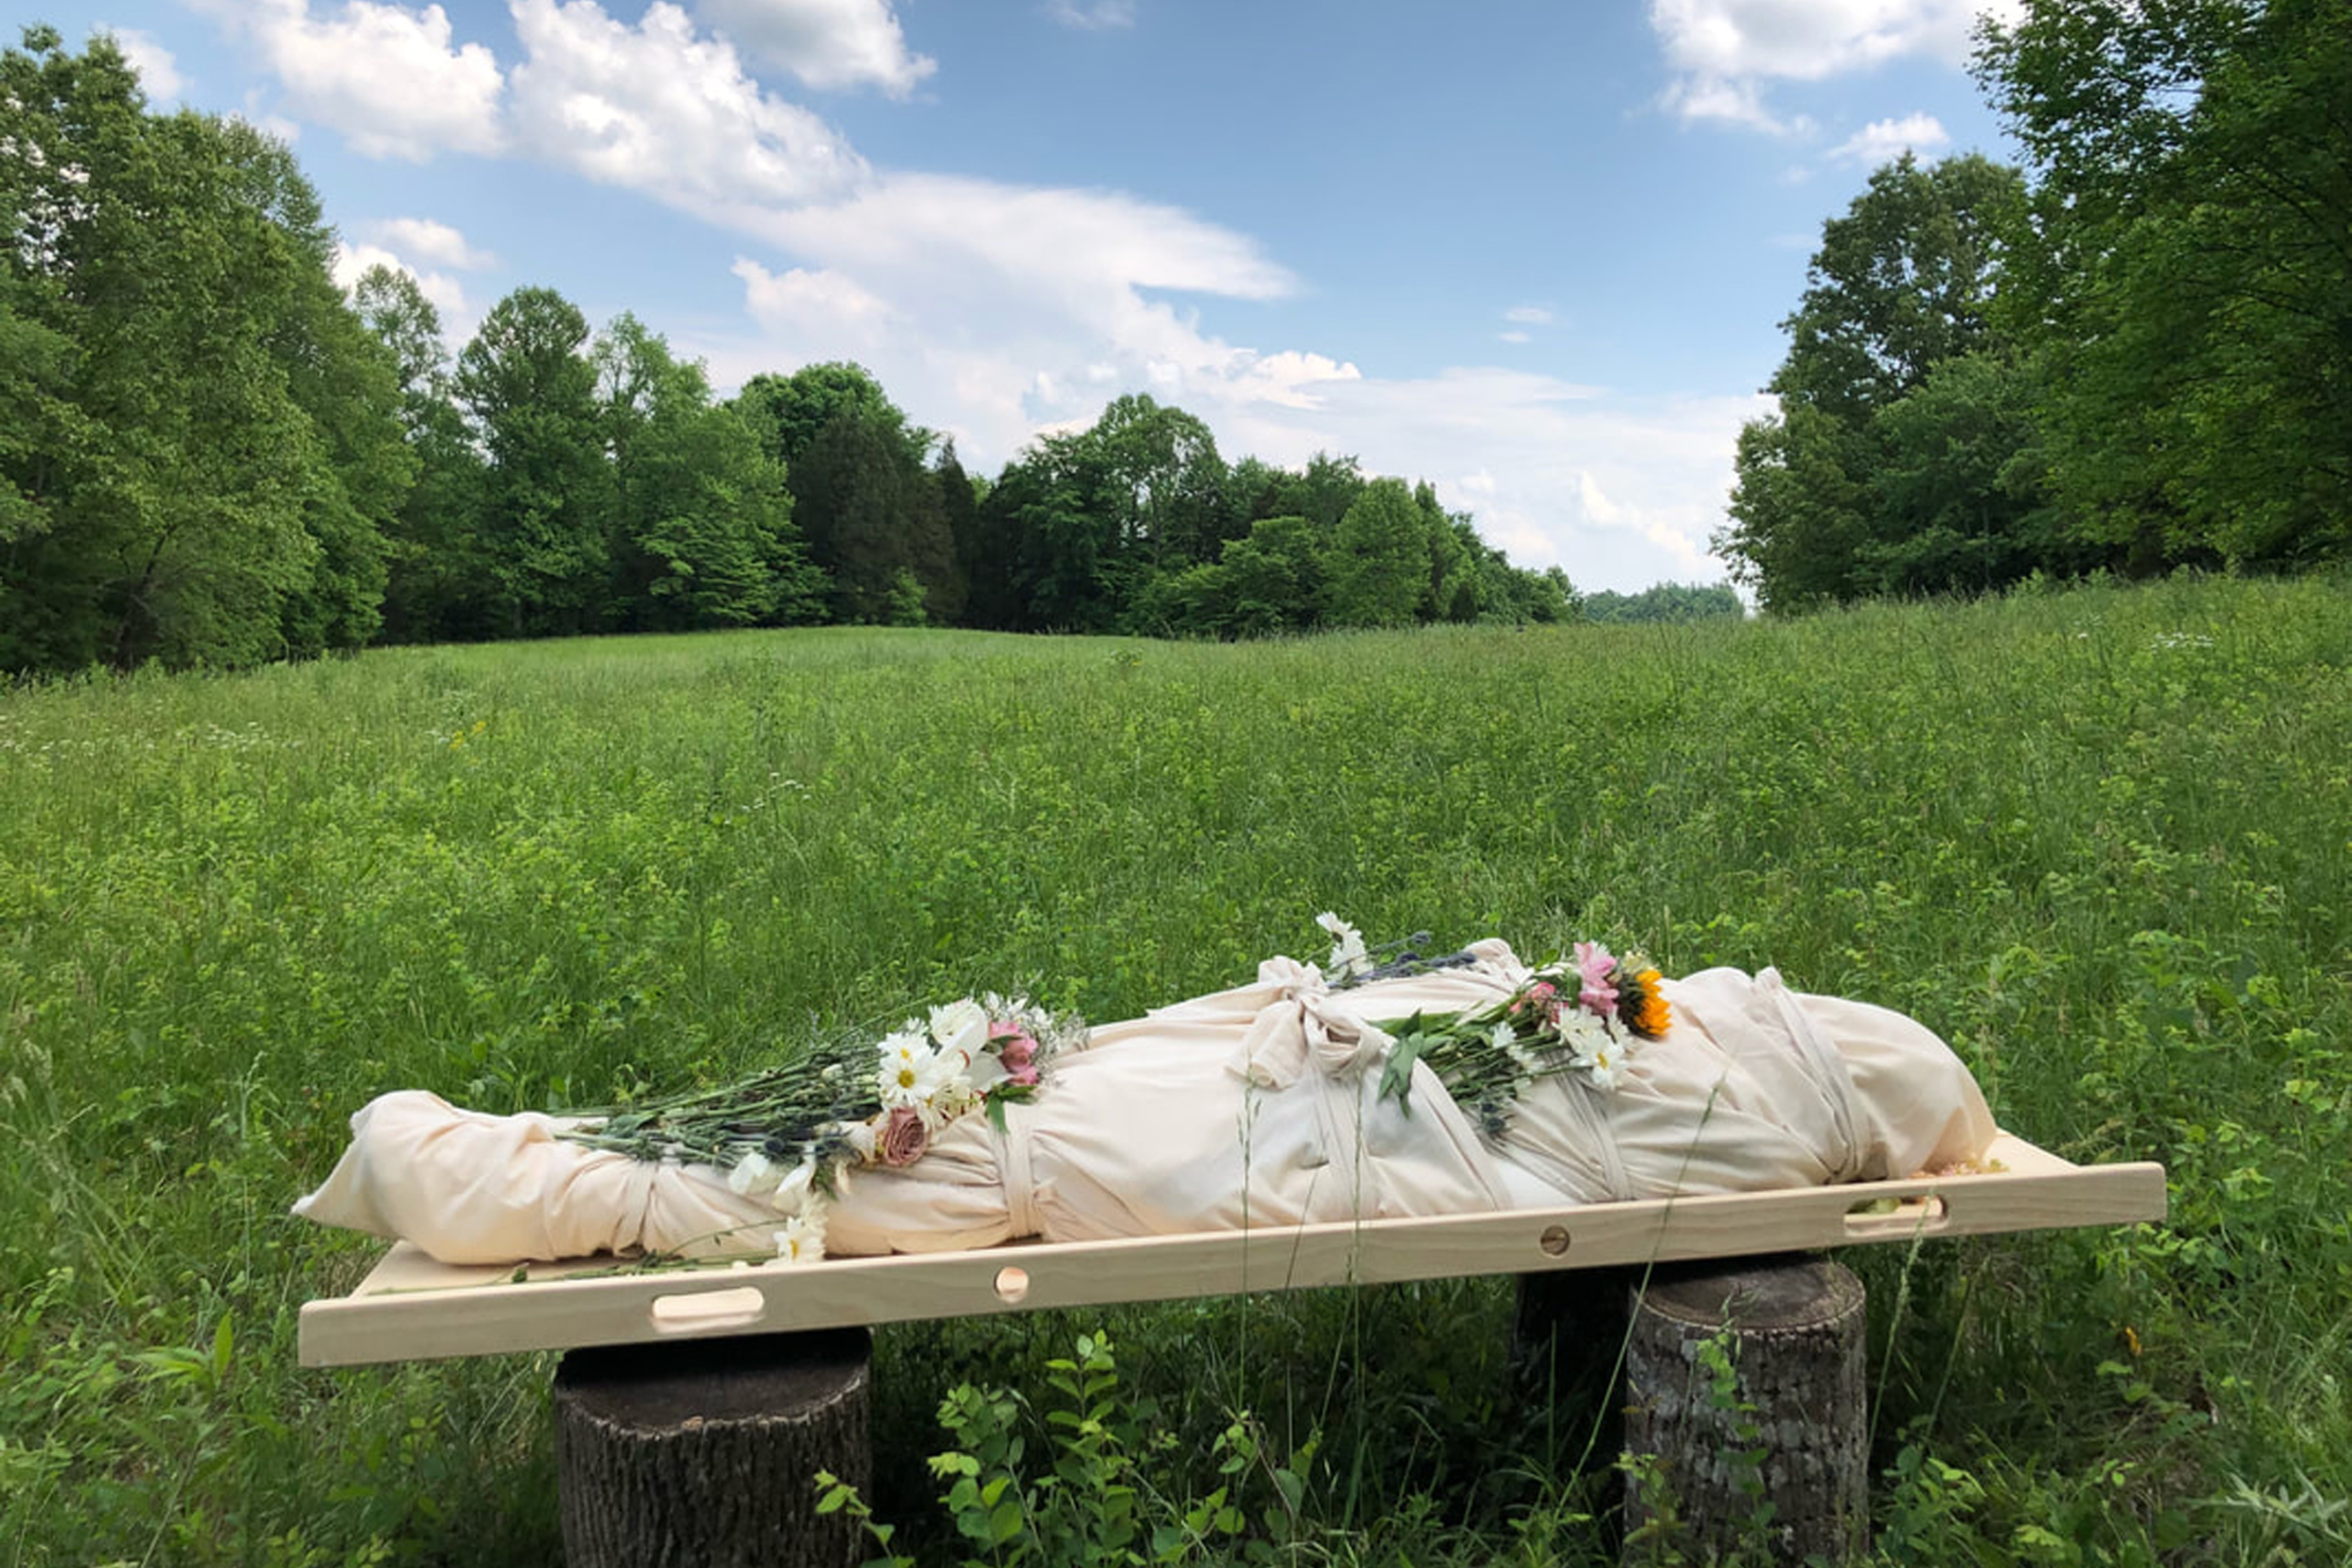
(529, 393)
(2186, 277)
(1379, 559)
(703, 532)
(1865, 481)
(199, 443)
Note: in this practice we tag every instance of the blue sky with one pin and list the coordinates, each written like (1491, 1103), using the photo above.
(1536, 254)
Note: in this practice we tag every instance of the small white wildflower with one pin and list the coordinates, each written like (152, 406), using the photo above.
(1523, 1056)
(919, 1076)
(1598, 1054)
(800, 1240)
(961, 1025)
(1582, 1033)
(1347, 956)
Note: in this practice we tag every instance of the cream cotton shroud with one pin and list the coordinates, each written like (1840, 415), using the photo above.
(1255, 1106)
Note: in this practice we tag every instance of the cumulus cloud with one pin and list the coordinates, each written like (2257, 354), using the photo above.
(159, 74)
(1622, 492)
(825, 44)
(392, 80)
(659, 108)
(1529, 315)
(1724, 52)
(432, 241)
(1092, 16)
(1516, 336)
(1882, 140)
(1019, 308)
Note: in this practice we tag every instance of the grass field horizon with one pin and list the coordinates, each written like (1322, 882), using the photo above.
(2098, 839)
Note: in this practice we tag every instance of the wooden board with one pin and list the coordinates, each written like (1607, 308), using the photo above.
(412, 1308)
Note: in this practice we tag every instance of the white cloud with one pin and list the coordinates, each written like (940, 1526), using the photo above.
(804, 305)
(1735, 103)
(1516, 336)
(432, 241)
(1092, 16)
(1015, 309)
(825, 44)
(1529, 315)
(447, 295)
(159, 74)
(1882, 140)
(1723, 52)
(659, 109)
(1622, 492)
(389, 78)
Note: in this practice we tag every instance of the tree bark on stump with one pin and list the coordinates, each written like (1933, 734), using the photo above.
(706, 1452)
(1789, 1433)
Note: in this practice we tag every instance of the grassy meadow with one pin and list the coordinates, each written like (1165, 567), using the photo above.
(2098, 839)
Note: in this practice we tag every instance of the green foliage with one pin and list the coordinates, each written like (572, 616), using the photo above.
(2184, 277)
(2094, 837)
(1376, 564)
(529, 392)
(1113, 1492)
(702, 528)
(1903, 458)
(200, 447)
(1668, 602)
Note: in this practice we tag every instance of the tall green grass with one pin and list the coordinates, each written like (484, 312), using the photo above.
(2098, 839)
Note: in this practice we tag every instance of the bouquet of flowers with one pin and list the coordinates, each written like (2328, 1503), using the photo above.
(792, 1134)
(1578, 1017)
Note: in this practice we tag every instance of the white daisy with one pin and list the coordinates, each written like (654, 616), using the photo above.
(1349, 958)
(801, 1241)
(961, 1025)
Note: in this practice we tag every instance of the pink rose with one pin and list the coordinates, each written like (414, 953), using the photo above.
(903, 1138)
(1596, 964)
(1537, 1001)
(1025, 1075)
(1017, 1051)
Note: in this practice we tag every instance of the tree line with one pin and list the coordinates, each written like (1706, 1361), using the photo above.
(211, 454)
(2132, 354)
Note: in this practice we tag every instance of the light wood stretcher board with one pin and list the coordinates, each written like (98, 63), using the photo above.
(412, 1308)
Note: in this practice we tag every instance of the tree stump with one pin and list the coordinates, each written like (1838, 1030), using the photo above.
(706, 1452)
(1745, 1390)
